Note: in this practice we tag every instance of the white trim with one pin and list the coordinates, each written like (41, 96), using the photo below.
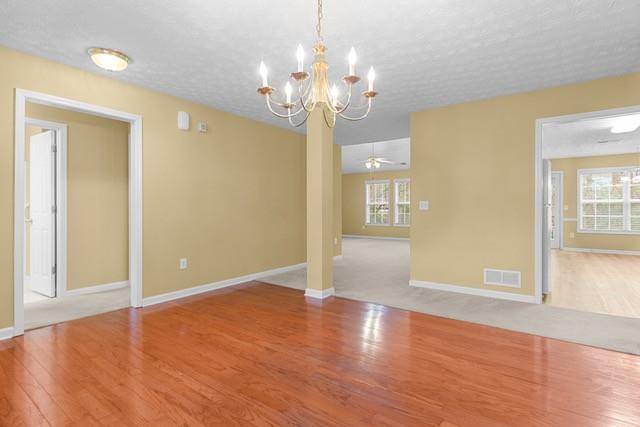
(6, 333)
(560, 207)
(319, 294)
(170, 296)
(97, 288)
(364, 236)
(473, 291)
(538, 255)
(570, 219)
(135, 192)
(626, 200)
(366, 201)
(603, 251)
(397, 181)
(335, 258)
(61, 131)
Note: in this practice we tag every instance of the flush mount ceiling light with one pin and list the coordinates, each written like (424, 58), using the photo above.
(109, 59)
(626, 124)
(314, 90)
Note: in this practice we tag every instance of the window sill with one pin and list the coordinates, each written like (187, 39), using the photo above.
(402, 225)
(620, 233)
(377, 225)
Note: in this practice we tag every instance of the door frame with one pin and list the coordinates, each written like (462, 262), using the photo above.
(541, 259)
(60, 130)
(560, 206)
(135, 192)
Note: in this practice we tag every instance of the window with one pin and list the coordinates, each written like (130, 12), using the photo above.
(377, 203)
(402, 214)
(608, 201)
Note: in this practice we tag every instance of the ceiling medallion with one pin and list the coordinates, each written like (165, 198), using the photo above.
(314, 91)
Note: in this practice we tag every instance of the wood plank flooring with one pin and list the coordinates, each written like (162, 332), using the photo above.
(599, 283)
(263, 355)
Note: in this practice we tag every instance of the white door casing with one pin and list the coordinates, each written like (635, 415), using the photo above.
(556, 211)
(41, 220)
(546, 222)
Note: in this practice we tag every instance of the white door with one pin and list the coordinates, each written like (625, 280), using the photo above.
(41, 219)
(555, 236)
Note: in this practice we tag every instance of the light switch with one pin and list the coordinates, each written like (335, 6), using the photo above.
(424, 205)
(572, 235)
(183, 263)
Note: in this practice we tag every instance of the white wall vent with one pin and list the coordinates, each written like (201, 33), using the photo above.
(507, 278)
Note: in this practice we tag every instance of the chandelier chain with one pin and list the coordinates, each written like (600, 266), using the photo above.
(319, 24)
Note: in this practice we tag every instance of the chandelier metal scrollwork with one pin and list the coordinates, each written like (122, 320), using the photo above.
(313, 90)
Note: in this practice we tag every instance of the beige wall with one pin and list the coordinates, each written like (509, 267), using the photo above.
(232, 200)
(353, 199)
(474, 162)
(569, 167)
(97, 196)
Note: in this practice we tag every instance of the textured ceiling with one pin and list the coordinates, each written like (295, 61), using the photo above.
(592, 137)
(397, 151)
(426, 53)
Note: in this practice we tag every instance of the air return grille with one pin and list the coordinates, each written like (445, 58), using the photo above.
(507, 278)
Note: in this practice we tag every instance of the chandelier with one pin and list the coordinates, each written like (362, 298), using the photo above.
(314, 91)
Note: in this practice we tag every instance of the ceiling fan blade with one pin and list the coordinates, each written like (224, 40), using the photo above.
(389, 162)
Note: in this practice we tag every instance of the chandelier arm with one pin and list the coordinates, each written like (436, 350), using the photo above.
(282, 116)
(302, 101)
(347, 104)
(302, 122)
(355, 119)
(330, 123)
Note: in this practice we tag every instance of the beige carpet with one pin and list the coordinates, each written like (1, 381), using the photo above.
(56, 310)
(377, 271)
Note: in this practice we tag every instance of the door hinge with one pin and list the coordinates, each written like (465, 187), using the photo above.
(53, 269)
(54, 147)
(54, 209)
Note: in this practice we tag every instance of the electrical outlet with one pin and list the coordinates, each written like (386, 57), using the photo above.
(335, 240)
(183, 264)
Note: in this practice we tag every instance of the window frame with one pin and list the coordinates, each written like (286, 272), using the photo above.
(396, 203)
(366, 202)
(626, 201)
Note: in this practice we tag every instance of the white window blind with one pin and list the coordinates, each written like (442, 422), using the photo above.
(608, 201)
(402, 212)
(377, 206)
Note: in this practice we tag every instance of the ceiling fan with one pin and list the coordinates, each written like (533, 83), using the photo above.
(373, 162)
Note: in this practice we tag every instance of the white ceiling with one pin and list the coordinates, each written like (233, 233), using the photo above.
(426, 53)
(397, 151)
(585, 138)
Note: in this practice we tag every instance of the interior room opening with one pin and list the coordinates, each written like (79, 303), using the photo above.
(76, 215)
(592, 214)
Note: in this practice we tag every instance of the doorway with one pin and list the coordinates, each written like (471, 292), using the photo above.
(54, 272)
(590, 211)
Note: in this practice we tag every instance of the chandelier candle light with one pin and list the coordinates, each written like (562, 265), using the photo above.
(314, 90)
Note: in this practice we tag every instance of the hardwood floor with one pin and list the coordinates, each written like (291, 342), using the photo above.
(600, 283)
(264, 355)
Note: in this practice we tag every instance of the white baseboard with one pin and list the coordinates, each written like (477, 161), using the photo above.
(170, 296)
(474, 291)
(315, 293)
(602, 251)
(97, 288)
(6, 333)
(361, 236)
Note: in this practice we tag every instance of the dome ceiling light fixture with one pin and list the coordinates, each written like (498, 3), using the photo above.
(109, 59)
(314, 90)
